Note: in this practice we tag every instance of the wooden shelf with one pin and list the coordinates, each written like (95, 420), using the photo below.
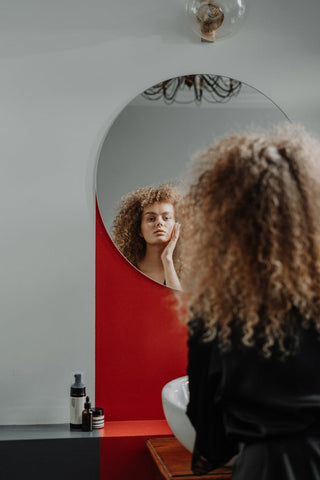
(172, 461)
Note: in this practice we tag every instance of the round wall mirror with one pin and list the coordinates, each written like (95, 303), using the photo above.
(155, 136)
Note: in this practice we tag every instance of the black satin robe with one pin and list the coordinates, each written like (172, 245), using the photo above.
(271, 405)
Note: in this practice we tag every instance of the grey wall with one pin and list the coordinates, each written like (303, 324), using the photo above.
(67, 69)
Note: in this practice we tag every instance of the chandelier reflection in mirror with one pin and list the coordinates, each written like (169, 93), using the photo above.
(214, 19)
(194, 88)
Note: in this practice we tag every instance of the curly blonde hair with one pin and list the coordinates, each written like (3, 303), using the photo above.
(250, 237)
(126, 227)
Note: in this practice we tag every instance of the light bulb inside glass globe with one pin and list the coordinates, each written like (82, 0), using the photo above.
(215, 19)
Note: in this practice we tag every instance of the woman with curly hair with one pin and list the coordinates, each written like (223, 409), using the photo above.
(146, 232)
(253, 294)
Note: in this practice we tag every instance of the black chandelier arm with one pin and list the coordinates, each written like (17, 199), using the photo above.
(215, 81)
(220, 89)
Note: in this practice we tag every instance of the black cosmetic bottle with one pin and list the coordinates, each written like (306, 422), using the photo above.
(77, 396)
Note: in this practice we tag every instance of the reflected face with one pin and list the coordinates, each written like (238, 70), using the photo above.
(157, 222)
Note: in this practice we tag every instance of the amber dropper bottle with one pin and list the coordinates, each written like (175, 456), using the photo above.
(87, 416)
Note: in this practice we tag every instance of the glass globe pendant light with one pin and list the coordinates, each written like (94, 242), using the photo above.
(215, 19)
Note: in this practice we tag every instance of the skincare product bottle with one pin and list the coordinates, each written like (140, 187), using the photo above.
(87, 416)
(77, 394)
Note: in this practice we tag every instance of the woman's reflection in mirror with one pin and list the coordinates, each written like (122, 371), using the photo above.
(253, 294)
(146, 232)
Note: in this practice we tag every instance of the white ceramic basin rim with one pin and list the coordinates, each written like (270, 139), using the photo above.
(175, 398)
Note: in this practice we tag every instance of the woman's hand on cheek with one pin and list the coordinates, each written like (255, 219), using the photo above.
(167, 253)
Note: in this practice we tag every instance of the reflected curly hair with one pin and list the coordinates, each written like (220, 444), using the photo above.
(127, 223)
(254, 255)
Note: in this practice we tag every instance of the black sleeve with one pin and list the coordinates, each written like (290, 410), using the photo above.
(212, 447)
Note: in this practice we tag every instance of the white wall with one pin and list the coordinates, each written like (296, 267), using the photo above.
(67, 68)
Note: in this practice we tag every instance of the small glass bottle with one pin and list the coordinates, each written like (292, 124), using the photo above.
(87, 416)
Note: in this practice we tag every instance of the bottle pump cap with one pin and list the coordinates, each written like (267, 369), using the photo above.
(78, 389)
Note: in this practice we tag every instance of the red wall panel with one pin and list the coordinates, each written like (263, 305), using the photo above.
(140, 343)
(130, 459)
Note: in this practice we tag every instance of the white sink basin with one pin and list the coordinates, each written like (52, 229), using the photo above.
(175, 398)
